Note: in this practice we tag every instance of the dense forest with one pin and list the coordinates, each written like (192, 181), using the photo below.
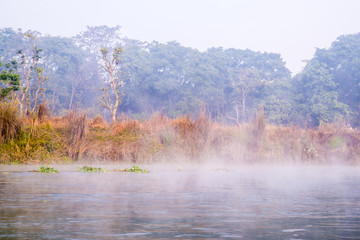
(231, 84)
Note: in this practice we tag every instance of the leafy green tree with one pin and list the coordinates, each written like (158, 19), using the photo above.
(9, 79)
(72, 82)
(160, 77)
(276, 96)
(343, 62)
(98, 37)
(279, 110)
(10, 42)
(329, 86)
(319, 94)
(272, 85)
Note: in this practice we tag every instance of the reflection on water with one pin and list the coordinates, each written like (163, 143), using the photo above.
(247, 202)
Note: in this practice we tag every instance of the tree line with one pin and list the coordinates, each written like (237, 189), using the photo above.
(104, 73)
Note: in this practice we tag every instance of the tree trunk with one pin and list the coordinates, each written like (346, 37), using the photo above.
(21, 107)
(113, 115)
(72, 95)
(243, 107)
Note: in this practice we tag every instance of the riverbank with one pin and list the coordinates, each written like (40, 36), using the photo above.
(75, 138)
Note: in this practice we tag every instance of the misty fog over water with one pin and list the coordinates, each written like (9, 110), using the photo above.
(184, 202)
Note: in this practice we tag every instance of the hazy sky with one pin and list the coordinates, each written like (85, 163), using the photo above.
(293, 28)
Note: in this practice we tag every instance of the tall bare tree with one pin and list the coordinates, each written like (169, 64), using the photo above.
(247, 80)
(111, 97)
(38, 88)
(28, 62)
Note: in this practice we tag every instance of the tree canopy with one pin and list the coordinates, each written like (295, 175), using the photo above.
(168, 77)
(9, 79)
(329, 86)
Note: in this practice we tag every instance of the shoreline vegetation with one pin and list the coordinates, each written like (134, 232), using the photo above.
(75, 138)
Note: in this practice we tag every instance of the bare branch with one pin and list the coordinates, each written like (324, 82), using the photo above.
(114, 83)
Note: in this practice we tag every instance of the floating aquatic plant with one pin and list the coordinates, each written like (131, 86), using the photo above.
(47, 169)
(133, 169)
(137, 169)
(88, 169)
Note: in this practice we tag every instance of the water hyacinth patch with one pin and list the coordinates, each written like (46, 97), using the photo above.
(47, 169)
(137, 169)
(87, 169)
(134, 169)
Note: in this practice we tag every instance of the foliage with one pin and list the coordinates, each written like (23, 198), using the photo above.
(86, 169)
(47, 169)
(320, 95)
(69, 69)
(9, 79)
(328, 87)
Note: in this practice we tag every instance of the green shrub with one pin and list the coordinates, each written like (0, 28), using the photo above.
(336, 142)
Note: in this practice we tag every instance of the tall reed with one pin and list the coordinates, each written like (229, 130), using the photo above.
(77, 135)
(10, 123)
(192, 135)
(43, 112)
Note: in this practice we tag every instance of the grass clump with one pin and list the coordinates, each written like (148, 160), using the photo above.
(10, 123)
(77, 134)
(47, 169)
(87, 169)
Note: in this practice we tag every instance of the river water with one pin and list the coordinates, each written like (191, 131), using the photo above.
(245, 202)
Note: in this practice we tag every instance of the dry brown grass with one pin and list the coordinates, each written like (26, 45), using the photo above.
(286, 143)
(158, 121)
(183, 138)
(98, 123)
(125, 126)
(164, 139)
(192, 135)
